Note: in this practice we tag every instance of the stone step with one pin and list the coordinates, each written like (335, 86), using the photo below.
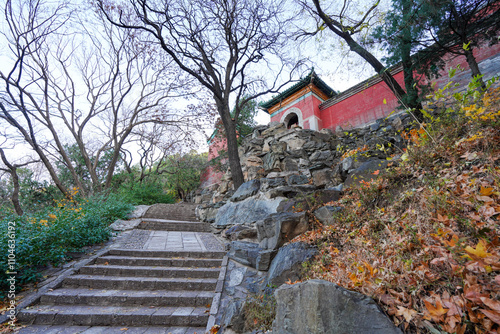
(157, 261)
(114, 315)
(82, 296)
(139, 283)
(48, 329)
(166, 254)
(174, 226)
(149, 271)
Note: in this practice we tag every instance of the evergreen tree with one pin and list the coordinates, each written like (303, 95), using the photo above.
(401, 34)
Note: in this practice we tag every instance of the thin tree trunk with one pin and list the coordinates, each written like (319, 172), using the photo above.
(382, 71)
(15, 182)
(474, 67)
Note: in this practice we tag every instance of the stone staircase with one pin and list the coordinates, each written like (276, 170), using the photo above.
(166, 288)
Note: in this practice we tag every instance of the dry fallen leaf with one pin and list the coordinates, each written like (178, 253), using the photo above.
(435, 312)
(479, 251)
(406, 313)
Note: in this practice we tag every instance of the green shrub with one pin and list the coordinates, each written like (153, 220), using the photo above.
(145, 193)
(46, 237)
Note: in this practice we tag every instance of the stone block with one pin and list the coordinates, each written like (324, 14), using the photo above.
(271, 162)
(247, 211)
(246, 190)
(318, 307)
(287, 264)
(322, 177)
(276, 229)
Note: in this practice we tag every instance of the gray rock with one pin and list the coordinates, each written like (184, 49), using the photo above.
(339, 132)
(266, 183)
(289, 164)
(321, 155)
(322, 177)
(247, 211)
(397, 123)
(279, 147)
(138, 212)
(276, 229)
(365, 172)
(274, 129)
(288, 263)
(374, 127)
(290, 191)
(244, 252)
(254, 172)
(264, 259)
(297, 179)
(250, 254)
(236, 276)
(271, 162)
(281, 174)
(339, 187)
(246, 190)
(238, 232)
(207, 213)
(123, 225)
(325, 214)
(232, 317)
(295, 143)
(318, 307)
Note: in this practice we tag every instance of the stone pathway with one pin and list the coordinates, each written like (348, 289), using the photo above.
(164, 277)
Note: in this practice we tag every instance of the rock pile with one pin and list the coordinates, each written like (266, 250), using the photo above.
(287, 172)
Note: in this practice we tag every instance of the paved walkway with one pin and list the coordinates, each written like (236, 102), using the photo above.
(176, 240)
(163, 277)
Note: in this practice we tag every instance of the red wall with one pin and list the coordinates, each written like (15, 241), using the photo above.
(363, 107)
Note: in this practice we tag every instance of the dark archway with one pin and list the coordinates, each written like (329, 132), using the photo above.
(291, 120)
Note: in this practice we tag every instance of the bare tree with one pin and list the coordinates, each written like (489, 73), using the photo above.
(68, 84)
(217, 42)
(11, 169)
(342, 21)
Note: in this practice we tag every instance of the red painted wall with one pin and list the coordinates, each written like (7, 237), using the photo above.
(363, 107)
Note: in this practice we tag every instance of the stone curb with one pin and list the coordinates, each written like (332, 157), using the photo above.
(35, 296)
(218, 293)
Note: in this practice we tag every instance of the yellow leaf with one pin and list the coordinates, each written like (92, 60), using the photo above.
(486, 191)
(480, 250)
(385, 101)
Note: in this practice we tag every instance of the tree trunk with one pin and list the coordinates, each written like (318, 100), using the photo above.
(474, 67)
(377, 66)
(15, 194)
(15, 182)
(232, 144)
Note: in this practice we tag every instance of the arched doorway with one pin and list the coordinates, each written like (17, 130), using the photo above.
(294, 119)
(292, 116)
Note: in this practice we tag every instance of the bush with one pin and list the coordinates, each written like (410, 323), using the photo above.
(46, 237)
(145, 193)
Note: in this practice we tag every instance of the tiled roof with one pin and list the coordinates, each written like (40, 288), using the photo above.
(312, 77)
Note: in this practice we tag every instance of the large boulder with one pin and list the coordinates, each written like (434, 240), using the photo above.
(247, 211)
(318, 307)
(276, 229)
(246, 190)
(287, 265)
